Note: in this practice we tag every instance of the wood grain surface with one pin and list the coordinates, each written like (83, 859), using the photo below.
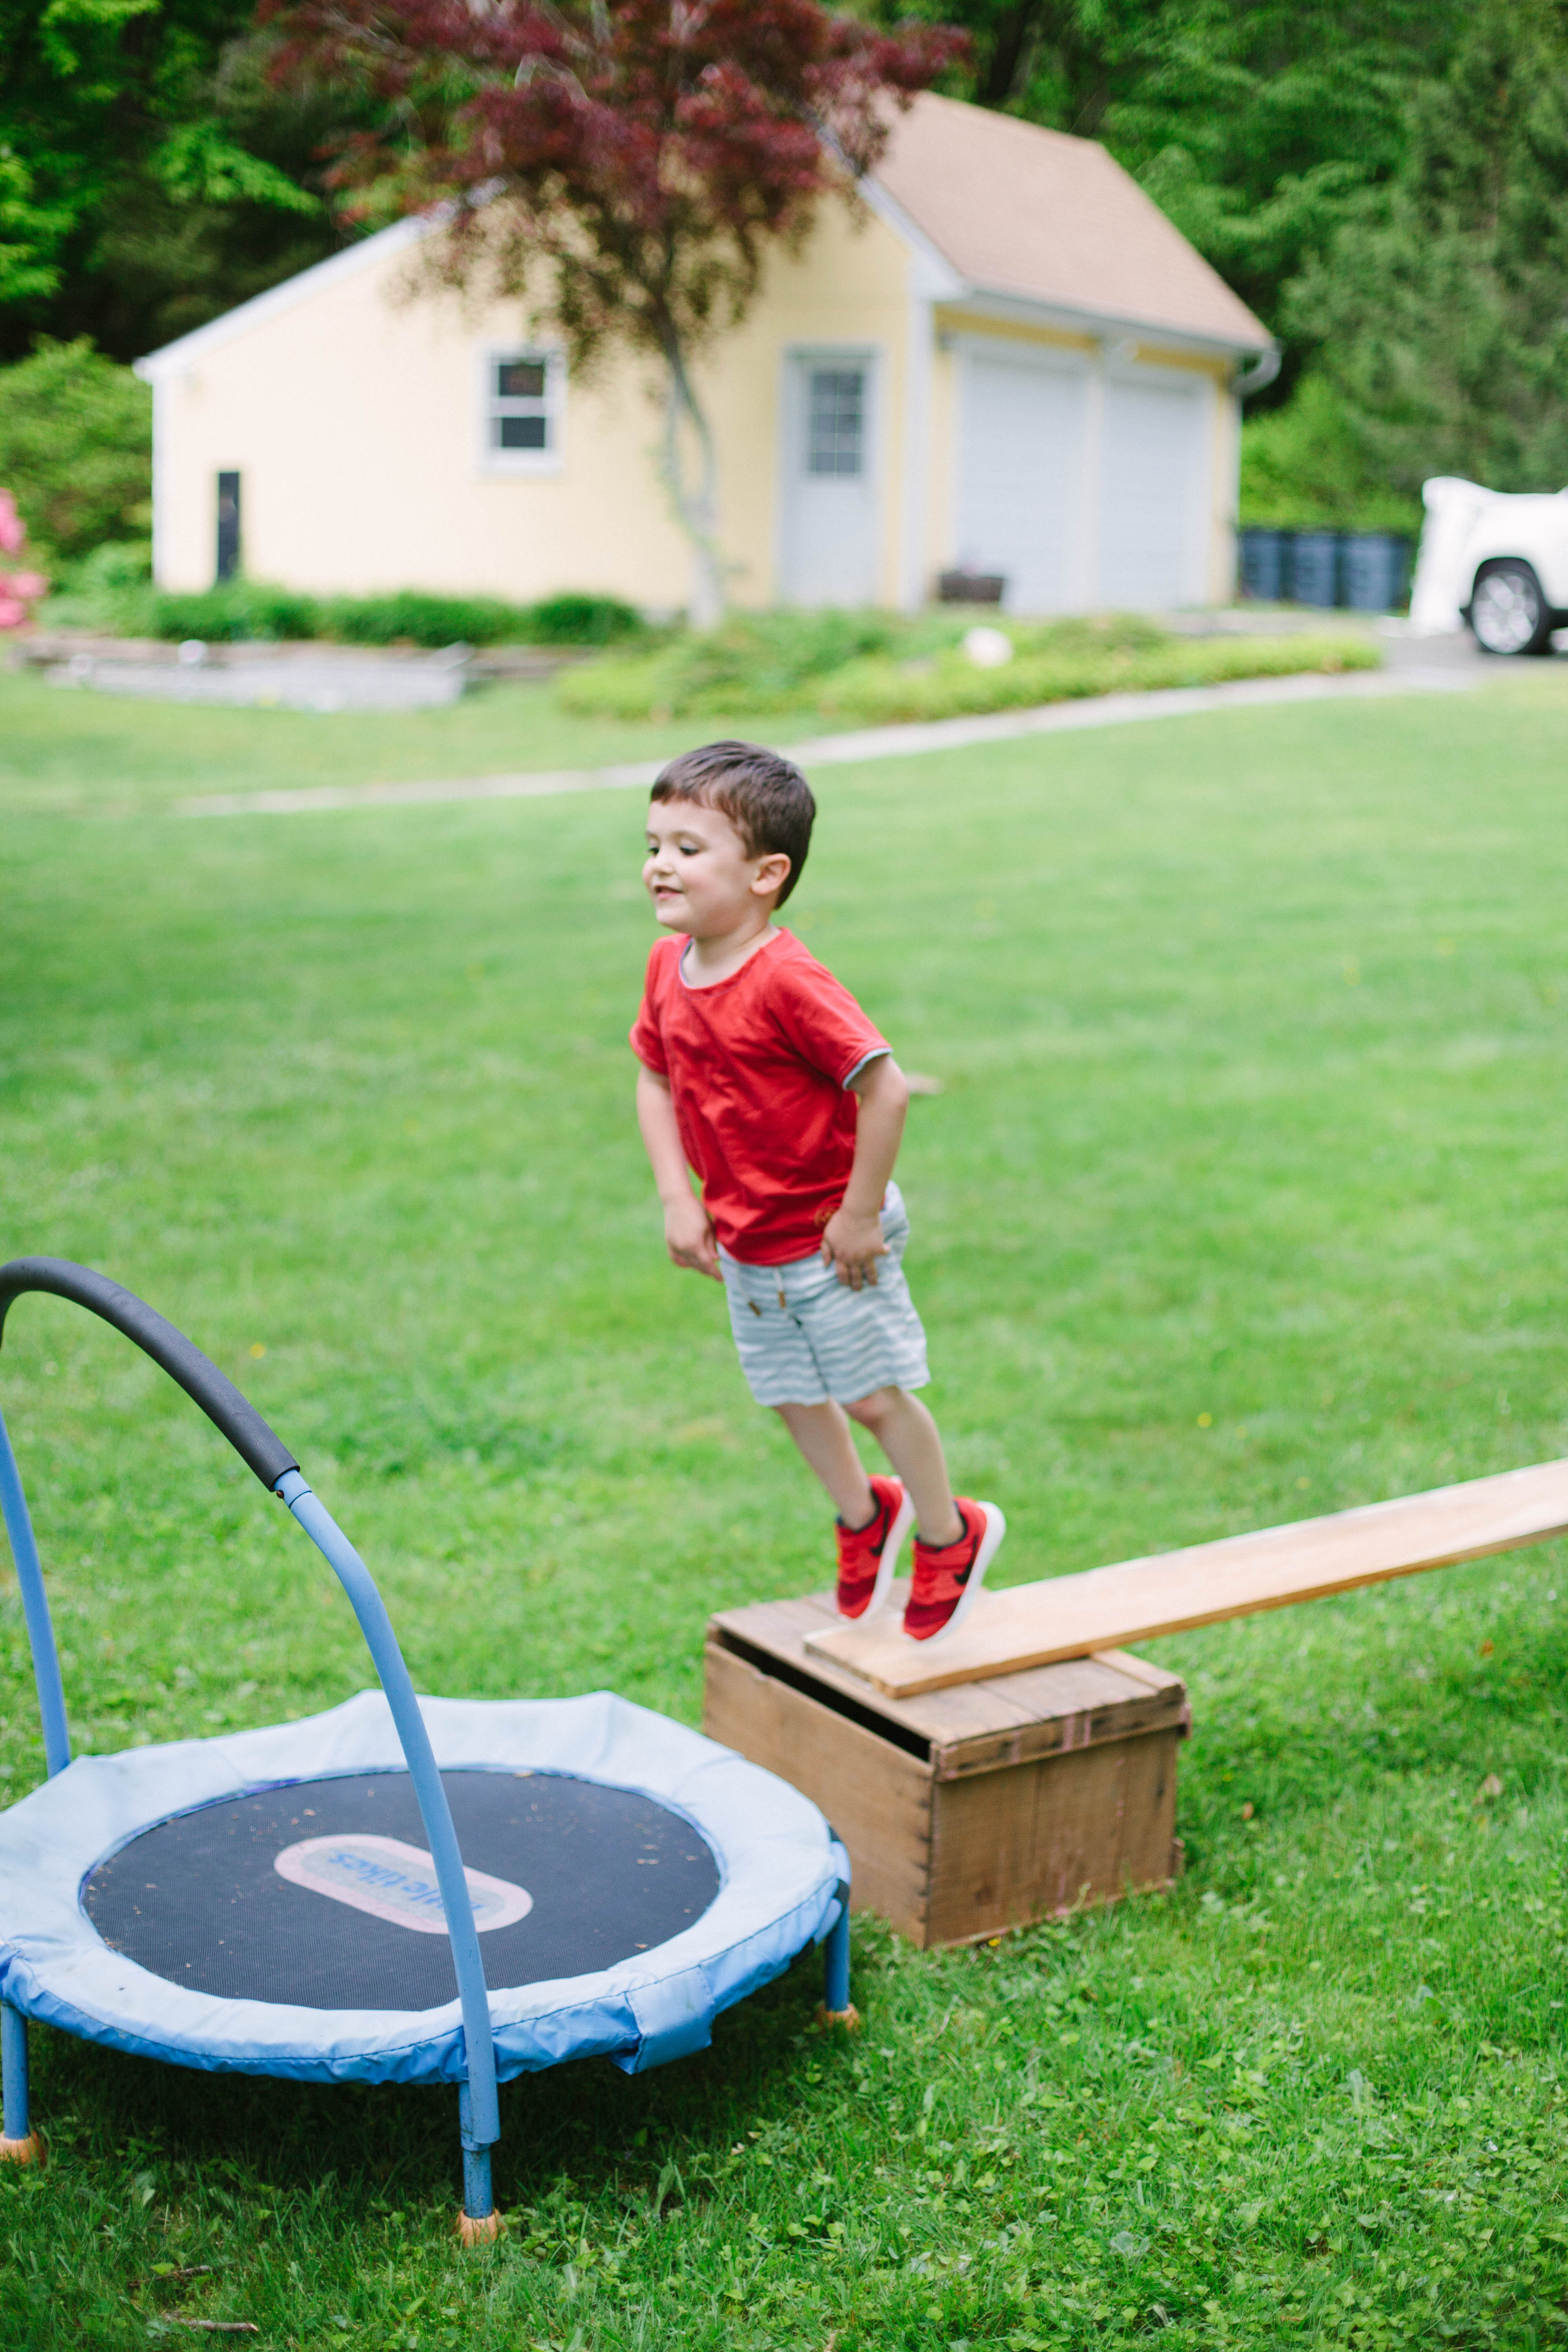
(982, 1726)
(877, 1798)
(1105, 1608)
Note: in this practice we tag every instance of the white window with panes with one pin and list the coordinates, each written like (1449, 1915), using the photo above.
(521, 405)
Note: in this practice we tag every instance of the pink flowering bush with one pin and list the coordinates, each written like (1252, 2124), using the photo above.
(18, 589)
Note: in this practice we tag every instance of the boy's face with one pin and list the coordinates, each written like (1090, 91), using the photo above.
(699, 875)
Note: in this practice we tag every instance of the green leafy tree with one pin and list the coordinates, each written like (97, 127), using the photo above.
(76, 449)
(150, 172)
(1441, 313)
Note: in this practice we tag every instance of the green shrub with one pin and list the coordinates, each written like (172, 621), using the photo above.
(237, 611)
(760, 662)
(638, 685)
(254, 608)
(422, 618)
(770, 660)
(1306, 467)
(411, 617)
(879, 692)
(757, 662)
(76, 449)
(865, 669)
(111, 590)
(575, 619)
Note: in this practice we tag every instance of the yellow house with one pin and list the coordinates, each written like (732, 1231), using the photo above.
(1006, 361)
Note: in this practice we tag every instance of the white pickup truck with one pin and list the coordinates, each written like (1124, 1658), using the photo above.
(1495, 560)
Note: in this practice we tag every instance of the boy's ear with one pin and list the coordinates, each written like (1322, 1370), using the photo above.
(772, 874)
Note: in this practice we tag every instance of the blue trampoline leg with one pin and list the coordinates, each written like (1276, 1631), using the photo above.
(19, 2143)
(478, 2203)
(838, 2009)
(479, 2222)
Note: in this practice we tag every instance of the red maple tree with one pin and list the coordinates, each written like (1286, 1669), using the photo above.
(622, 166)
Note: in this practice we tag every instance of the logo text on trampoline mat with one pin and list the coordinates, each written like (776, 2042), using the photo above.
(393, 1881)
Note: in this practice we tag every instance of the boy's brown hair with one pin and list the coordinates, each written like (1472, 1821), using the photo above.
(765, 796)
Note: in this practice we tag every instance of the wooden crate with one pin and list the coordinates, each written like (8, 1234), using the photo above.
(965, 1810)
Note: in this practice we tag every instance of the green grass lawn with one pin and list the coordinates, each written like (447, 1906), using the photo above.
(76, 752)
(1245, 1198)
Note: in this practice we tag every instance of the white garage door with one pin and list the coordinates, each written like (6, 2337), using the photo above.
(1021, 478)
(1153, 494)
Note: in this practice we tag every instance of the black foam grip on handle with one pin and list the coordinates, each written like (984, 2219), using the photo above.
(259, 1447)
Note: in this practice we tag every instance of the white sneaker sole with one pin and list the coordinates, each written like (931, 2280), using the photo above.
(888, 1561)
(990, 1544)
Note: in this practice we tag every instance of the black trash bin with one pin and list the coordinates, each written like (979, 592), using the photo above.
(1315, 567)
(1265, 556)
(1375, 565)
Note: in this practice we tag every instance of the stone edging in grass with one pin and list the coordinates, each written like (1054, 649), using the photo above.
(862, 743)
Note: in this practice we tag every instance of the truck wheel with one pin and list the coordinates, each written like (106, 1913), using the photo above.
(1508, 614)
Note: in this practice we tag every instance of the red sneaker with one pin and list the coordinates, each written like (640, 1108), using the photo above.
(869, 1555)
(948, 1576)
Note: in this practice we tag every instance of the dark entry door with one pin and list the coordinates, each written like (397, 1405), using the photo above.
(227, 526)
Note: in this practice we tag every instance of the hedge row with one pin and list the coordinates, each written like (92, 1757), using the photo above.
(111, 590)
(251, 609)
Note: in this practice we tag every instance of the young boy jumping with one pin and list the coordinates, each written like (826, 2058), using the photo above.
(761, 1074)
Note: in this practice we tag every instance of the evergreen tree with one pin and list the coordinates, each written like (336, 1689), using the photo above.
(1440, 311)
(1256, 126)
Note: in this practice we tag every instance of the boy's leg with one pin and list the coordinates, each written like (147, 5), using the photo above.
(910, 1438)
(823, 1436)
(874, 1515)
(955, 1543)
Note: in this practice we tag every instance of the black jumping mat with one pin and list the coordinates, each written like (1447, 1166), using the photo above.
(320, 1893)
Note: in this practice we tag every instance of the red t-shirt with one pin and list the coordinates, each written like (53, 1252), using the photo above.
(757, 1067)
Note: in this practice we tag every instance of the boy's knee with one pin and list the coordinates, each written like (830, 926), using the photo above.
(870, 1410)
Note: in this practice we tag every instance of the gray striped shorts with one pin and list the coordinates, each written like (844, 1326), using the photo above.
(804, 1336)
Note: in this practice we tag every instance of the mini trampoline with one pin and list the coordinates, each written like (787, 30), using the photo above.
(403, 1889)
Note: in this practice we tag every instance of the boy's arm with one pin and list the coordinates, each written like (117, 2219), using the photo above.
(687, 1235)
(852, 1239)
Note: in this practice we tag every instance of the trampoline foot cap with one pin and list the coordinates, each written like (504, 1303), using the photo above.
(482, 2233)
(849, 2019)
(21, 2151)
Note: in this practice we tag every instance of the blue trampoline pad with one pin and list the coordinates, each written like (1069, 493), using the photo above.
(265, 1901)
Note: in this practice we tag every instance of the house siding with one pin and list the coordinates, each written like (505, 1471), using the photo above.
(354, 418)
(350, 403)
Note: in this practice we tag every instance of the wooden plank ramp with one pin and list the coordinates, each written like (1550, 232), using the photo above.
(1107, 1608)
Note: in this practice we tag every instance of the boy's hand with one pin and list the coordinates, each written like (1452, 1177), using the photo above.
(688, 1237)
(851, 1246)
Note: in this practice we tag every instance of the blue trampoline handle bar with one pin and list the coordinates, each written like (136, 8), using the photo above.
(35, 1610)
(479, 2109)
(264, 1453)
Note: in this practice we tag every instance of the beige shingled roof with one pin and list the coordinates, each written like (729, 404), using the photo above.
(1043, 218)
